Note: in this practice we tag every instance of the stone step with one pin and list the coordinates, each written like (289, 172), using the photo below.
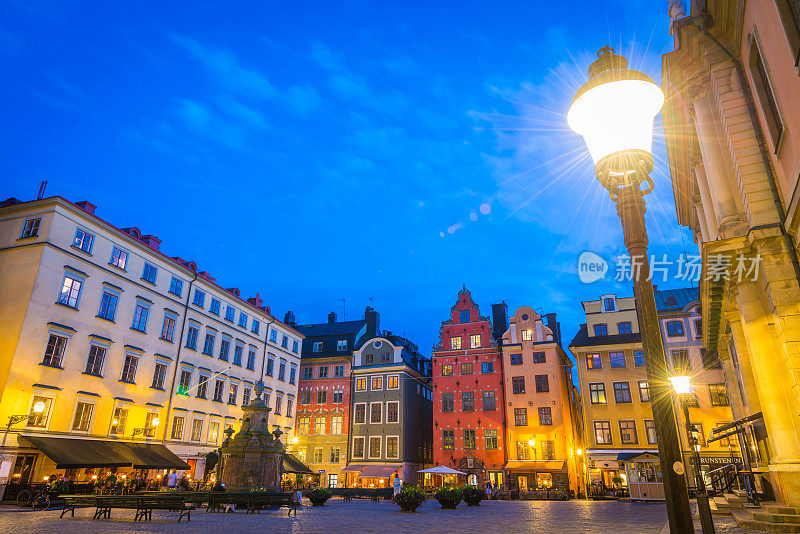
(778, 509)
(775, 518)
(745, 520)
(740, 493)
(733, 498)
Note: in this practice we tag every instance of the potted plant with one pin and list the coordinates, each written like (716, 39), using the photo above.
(318, 496)
(472, 496)
(449, 498)
(409, 499)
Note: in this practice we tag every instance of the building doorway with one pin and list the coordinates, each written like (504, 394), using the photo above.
(333, 480)
(23, 468)
(522, 482)
(472, 480)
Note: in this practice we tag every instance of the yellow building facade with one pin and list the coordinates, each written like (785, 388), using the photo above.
(731, 121)
(103, 337)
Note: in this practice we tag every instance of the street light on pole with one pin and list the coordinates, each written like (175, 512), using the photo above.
(614, 113)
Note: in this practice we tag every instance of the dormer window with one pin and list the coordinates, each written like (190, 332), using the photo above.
(608, 304)
(671, 301)
(341, 345)
(463, 316)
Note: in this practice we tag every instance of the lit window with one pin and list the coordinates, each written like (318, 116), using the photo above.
(39, 419)
(650, 430)
(337, 424)
(545, 416)
(377, 383)
(448, 439)
(392, 446)
(118, 421)
(627, 432)
(597, 393)
(455, 342)
(602, 432)
(392, 382)
(177, 427)
(320, 424)
(527, 335)
(593, 361)
(303, 425)
(361, 384)
(520, 416)
(83, 240)
(119, 258)
(70, 291)
(644, 391)
(83, 417)
(474, 341)
(447, 369)
(719, 395)
(197, 430)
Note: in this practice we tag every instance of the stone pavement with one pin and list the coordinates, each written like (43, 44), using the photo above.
(542, 517)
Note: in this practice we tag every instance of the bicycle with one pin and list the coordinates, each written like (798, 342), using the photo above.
(37, 499)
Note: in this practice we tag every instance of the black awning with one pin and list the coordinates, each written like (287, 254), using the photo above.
(292, 465)
(149, 455)
(70, 453)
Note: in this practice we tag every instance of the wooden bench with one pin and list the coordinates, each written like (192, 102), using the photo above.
(74, 501)
(146, 505)
(254, 502)
(143, 505)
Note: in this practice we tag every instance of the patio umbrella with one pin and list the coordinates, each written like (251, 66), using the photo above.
(442, 470)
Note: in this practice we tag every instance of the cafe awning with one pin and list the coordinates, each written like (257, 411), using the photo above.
(70, 453)
(540, 466)
(292, 465)
(150, 455)
(379, 471)
(354, 468)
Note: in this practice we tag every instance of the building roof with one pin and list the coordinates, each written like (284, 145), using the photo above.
(339, 328)
(583, 339)
(676, 299)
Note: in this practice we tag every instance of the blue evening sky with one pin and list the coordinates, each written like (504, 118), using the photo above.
(381, 152)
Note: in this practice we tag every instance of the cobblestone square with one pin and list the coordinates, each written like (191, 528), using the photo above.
(542, 517)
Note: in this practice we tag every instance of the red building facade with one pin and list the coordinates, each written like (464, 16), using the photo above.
(468, 407)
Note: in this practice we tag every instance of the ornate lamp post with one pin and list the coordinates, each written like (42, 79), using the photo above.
(614, 113)
(683, 388)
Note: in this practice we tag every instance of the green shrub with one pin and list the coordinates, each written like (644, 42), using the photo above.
(318, 496)
(410, 498)
(472, 496)
(449, 497)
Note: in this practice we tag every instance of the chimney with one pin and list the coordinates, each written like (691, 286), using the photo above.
(150, 241)
(499, 320)
(255, 301)
(289, 319)
(331, 317)
(555, 326)
(86, 206)
(373, 319)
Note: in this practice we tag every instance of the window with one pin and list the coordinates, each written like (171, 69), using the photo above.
(766, 96)
(467, 401)
(360, 416)
(323, 371)
(30, 228)
(545, 416)
(295, 346)
(233, 392)
(307, 372)
(238, 350)
(168, 327)
(159, 375)
(317, 455)
(341, 345)
(270, 367)
(644, 391)
(608, 304)
(243, 319)
(377, 383)
(338, 371)
(597, 393)
(83, 240)
(516, 359)
(149, 274)
(285, 341)
(627, 433)
(474, 341)
(617, 359)
(317, 346)
(674, 328)
(487, 367)
(489, 401)
(710, 359)
(593, 361)
(447, 401)
(466, 368)
(624, 328)
(292, 374)
(219, 387)
(83, 417)
(392, 444)
(490, 438)
(273, 336)
(320, 424)
(278, 404)
(303, 424)
(650, 430)
(94, 364)
(361, 384)
(129, 369)
(224, 349)
(305, 397)
(70, 291)
(448, 439)
(520, 416)
(176, 287)
(197, 430)
(680, 360)
(392, 382)
(208, 344)
(358, 447)
(213, 432)
(282, 371)
(191, 337)
(602, 432)
(527, 335)
(539, 357)
(638, 358)
(523, 452)
(119, 258)
(601, 329)
(118, 421)
(255, 327)
(376, 412)
(246, 396)
(185, 382)
(140, 317)
(202, 387)
(542, 384)
(39, 419)
(54, 353)
(393, 412)
(337, 423)
(518, 384)
(177, 427)
(149, 427)
(322, 396)
(469, 438)
(463, 316)
(719, 395)
(375, 446)
(455, 343)
(447, 369)
(622, 392)
(214, 308)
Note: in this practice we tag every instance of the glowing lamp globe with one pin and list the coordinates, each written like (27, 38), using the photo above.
(38, 407)
(156, 421)
(614, 110)
(681, 384)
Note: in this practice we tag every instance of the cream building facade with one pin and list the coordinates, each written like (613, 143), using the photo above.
(111, 339)
(731, 121)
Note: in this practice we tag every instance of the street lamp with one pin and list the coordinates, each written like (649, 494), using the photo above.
(614, 113)
(38, 408)
(682, 384)
(532, 445)
(153, 425)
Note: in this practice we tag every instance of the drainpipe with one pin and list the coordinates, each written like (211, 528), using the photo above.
(264, 356)
(750, 105)
(177, 358)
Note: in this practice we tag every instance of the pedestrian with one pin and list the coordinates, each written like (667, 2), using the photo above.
(172, 479)
(397, 485)
(489, 490)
